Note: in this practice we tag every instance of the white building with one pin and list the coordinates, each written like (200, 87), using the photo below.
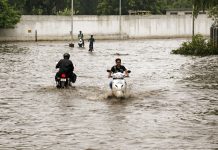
(182, 12)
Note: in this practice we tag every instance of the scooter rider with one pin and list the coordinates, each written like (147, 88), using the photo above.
(66, 66)
(80, 36)
(118, 68)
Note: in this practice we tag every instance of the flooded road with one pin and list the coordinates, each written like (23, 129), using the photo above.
(172, 103)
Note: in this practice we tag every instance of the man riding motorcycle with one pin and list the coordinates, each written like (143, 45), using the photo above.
(80, 37)
(118, 68)
(66, 66)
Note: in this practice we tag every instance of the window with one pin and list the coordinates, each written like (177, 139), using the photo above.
(173, 13)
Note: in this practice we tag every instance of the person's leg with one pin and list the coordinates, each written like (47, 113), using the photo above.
(57, 76)
(110, 84)
(72, 77)
(90, 46)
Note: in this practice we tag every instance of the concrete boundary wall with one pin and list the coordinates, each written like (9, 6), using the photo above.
(106, 27)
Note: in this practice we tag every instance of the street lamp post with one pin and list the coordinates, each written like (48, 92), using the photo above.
(120, 12)
(71, 33)
(193, 21)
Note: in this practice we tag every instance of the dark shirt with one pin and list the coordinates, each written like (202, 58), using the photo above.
(80, 36)
(115, 69)
(65, 65)
(91, 40)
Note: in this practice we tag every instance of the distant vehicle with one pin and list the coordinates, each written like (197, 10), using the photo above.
(80, 43)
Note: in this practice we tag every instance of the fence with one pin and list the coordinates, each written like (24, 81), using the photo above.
(214, 34)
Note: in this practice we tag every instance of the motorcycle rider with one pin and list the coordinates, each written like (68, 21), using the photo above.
(80, 36)
(66, 66)
(118, 68)
(91, 41)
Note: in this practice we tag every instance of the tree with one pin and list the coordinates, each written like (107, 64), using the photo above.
(45, 7)
(213, 13)
(105, 7)
(148, 5)
(87, 7)
(18, 4)
(111, 7)
(199, 5)
(8, 16)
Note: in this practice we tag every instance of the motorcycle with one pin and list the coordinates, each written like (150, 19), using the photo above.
(80, 43)
(119, 85)
(63, 81)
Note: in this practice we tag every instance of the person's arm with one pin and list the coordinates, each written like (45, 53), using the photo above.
(126, 72)
(109, 74)
(58, 64)
(71, 66)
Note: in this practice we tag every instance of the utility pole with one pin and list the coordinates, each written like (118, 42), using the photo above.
(120, 12)
(193, 21)
(71, 44)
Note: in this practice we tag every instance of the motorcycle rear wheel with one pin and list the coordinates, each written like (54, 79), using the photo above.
(62, 84)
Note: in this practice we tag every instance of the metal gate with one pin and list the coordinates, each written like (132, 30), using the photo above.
(214, 34)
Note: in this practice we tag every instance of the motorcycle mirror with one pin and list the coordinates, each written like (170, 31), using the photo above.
(129, 71)
(108, 70)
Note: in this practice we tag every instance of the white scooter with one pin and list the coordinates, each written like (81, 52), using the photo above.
(119, 85)
(80, 43)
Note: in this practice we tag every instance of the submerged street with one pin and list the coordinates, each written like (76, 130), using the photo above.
(172, 101)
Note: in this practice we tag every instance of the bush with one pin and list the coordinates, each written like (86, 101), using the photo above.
(8, 16)
(199, 46)
(66, 12)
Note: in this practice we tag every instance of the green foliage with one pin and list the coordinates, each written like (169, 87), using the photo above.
(8, 16)
(106, 7)
(87, 7)
(111, 7)
(199, 5)
(45, 7)
(199, 46)
(65, 12)
(213, 13)
(18, 4)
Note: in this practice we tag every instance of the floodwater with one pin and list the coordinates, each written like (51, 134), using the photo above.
(172, 101)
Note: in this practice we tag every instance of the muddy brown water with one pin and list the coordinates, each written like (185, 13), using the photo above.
(172, 101)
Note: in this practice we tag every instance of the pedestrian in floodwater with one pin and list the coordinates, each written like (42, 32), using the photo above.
(91, 41)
